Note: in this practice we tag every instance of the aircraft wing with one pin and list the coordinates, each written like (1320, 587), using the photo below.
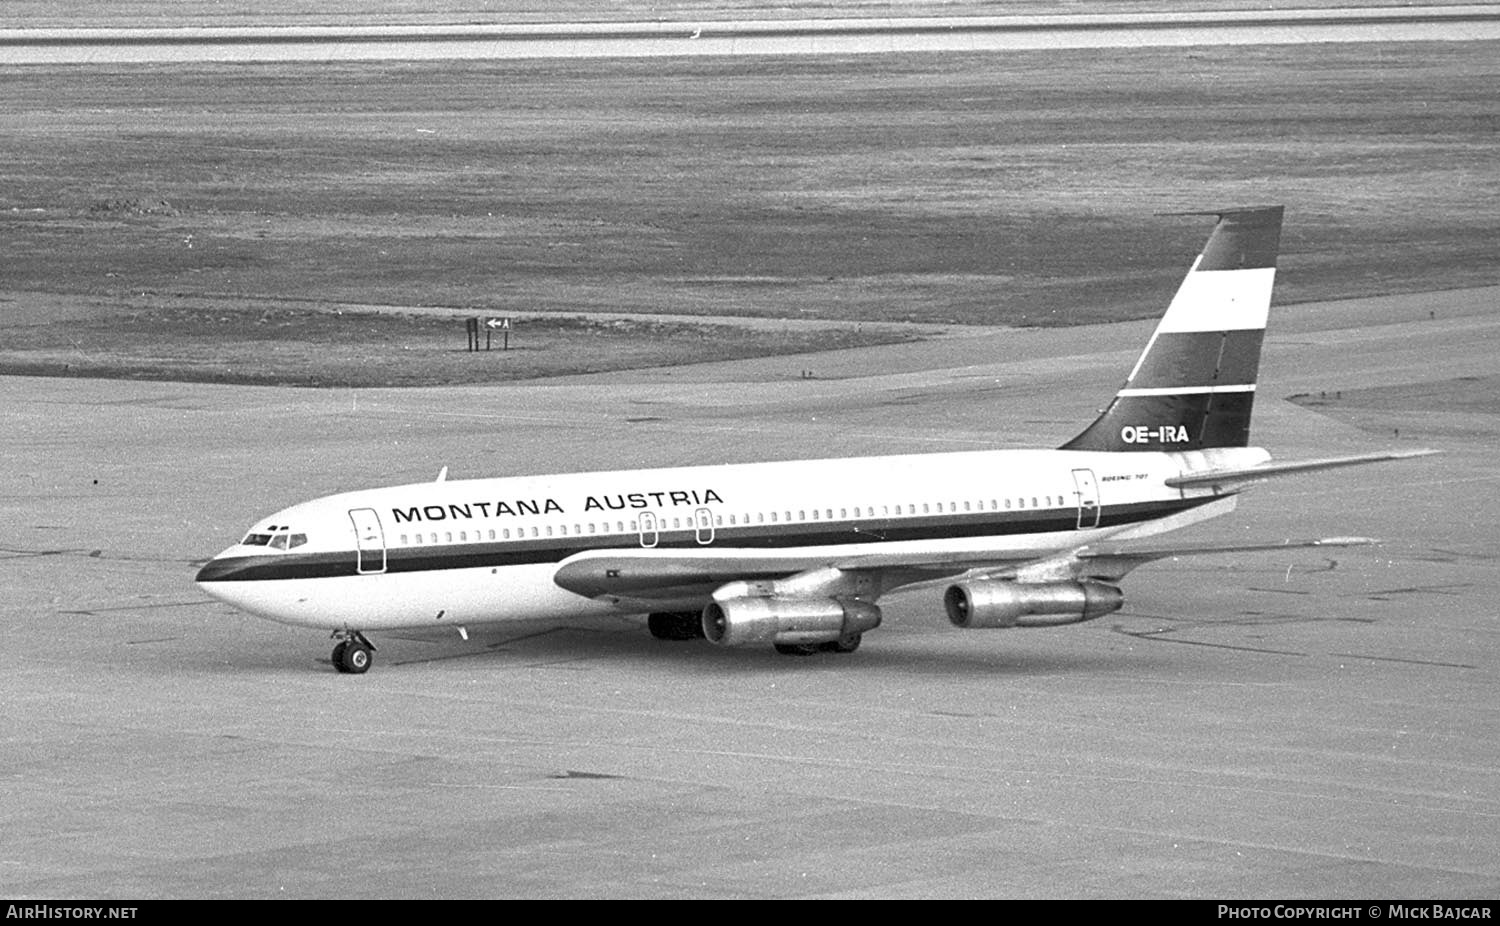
(1111, 562)
(1223, 479)
(676, 576)
(1108, 561)
(673, 578)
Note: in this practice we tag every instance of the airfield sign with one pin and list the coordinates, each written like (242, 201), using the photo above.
(490, 326)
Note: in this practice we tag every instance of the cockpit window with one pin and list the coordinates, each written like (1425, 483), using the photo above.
(281, 540)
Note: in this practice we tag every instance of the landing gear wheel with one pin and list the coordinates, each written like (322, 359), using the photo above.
(796, 649)
(355, 659)
(675, 625)
(845, 645)
(352, 653)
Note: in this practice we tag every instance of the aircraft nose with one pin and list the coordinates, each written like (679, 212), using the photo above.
(216, 570)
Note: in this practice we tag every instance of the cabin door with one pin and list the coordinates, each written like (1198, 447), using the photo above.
(369, 540)
(1088, 498)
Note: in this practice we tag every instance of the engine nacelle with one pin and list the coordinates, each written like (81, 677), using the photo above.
(738, 621)
(1002, 603)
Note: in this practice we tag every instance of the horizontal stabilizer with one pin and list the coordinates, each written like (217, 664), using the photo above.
(1223, 479)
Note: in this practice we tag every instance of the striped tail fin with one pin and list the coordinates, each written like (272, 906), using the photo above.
(1194, 385)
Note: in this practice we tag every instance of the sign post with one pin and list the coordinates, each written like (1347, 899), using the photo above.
(493, 324)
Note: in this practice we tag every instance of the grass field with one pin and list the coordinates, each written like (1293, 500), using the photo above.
(956, 189)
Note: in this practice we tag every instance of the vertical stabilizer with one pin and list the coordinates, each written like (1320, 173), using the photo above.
(1194, 385)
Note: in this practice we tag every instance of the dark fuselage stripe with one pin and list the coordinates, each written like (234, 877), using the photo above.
(758, 537)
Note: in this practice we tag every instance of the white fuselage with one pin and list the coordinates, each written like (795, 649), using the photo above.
(469, 552)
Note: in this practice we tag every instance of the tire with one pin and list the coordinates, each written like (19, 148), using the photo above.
(796, 649)
(675, 625)
(845, 645)
(338, 655)
(356, 659)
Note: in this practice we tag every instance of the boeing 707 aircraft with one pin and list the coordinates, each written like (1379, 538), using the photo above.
(797, 554)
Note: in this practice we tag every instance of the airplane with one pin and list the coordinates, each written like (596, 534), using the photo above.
(797, 554)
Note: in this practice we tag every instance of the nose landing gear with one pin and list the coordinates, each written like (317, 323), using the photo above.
(352, 653)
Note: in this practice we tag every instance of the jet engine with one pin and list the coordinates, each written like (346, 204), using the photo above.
(1003, 603)
(786, 621)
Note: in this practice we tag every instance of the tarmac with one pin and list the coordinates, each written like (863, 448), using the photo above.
(1284, 725)
(687, 37)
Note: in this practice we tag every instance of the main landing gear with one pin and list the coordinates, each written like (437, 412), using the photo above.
(675, 625)
(845, 645)
(352, 653)
(688, 625)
